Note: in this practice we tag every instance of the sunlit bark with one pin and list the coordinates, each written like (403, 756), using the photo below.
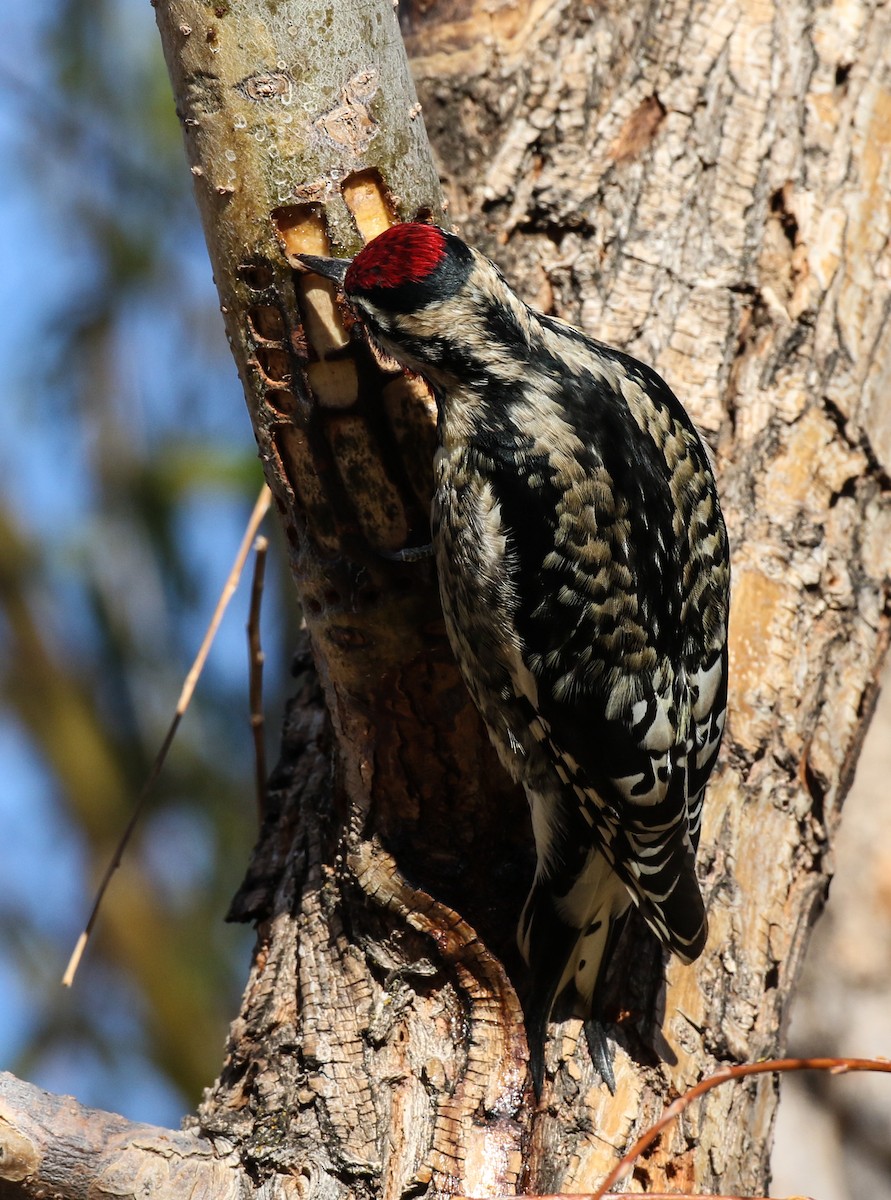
(706, 187)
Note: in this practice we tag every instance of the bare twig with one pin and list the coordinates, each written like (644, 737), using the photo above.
(838, 1066)
(257, 515)
(256, 659)
(647, 1195)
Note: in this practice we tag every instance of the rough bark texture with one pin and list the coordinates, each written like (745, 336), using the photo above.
(352, 1060)
(704, 185)
(831, 1138)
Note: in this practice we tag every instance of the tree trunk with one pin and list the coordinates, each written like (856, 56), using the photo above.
(705, 186)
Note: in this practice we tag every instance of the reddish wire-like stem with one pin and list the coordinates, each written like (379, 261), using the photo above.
(838, 1066)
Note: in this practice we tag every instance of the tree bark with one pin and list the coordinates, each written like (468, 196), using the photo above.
(702, 185)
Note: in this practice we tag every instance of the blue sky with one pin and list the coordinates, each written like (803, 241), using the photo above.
(46, 482)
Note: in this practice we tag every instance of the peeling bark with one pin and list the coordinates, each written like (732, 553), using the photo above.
(704, 185)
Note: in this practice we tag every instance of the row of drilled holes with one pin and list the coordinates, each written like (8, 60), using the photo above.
(303, 229)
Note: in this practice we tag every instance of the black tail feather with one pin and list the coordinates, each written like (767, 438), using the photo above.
(550, 942)
(599, 1049)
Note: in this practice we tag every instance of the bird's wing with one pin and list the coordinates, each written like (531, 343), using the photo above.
(627, 683)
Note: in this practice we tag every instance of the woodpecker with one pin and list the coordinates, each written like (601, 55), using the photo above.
(584, 572)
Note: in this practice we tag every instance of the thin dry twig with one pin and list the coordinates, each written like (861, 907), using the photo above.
(259, 512)
(646, 1195)
(256, 658)
(837, 1066)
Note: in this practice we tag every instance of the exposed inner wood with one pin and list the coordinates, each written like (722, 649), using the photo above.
(368, 200)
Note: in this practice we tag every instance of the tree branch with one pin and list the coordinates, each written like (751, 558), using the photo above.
(53, 1146)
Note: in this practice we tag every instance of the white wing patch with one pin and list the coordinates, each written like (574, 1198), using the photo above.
(544, 820)
(596, 900)
(704, 686)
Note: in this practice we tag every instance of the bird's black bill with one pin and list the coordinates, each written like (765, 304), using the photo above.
(331, 268)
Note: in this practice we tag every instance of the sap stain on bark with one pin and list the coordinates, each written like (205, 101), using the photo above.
(639, 130)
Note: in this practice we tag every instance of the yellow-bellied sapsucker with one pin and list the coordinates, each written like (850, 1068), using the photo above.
(584, 573)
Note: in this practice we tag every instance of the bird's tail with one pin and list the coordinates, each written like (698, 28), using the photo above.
(567, 940)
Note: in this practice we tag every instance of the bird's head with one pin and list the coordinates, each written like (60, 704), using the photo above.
(407, 267)
(400, 280)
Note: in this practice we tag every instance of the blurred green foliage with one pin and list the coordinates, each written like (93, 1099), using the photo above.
(128, 472)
